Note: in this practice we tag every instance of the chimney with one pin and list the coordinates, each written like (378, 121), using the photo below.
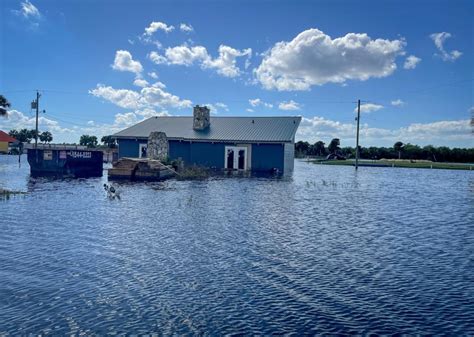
(201, 117)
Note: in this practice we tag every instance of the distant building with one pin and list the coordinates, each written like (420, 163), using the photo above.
(232, 143)
(6, 142)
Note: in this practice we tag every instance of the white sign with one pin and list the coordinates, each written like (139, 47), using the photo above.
(80, 154)
(48, 155)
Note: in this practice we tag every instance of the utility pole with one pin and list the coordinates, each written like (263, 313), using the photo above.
(37, 112)
(357, 136)
(35, 105)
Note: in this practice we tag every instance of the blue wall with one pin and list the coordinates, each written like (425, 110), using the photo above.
(267, 156)
(264, 156)
(129, 147)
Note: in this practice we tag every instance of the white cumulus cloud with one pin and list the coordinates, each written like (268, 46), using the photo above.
(258, 102)
(148, 97)
(124, 62)
(28, 10)
(140, 82)
(184, 55)
(186, 28)
(225, 64)
(411, 62)
(157, 58)
(369, 107)
(124, 98)
(153, 75)
(29, 13)
(217, 107)
(290, 105)
(397, 102)
(154, 26)
(159, 84)
(314, 58)
(439, 39)
(156, 96)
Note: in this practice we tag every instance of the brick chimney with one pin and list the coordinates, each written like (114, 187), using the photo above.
(201, 117)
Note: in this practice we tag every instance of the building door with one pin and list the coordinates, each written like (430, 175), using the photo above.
(235, 158)
(142, 151)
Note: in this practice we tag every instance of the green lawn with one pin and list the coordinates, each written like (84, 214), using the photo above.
(400, 163)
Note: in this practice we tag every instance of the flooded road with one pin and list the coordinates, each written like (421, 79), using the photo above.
(329, 250)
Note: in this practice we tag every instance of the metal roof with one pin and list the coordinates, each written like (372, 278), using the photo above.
(251, 129)
(5, 137)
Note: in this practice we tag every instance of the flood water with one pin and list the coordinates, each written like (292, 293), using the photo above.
(330, 250)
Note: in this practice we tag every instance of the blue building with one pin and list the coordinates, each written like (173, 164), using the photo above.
(234, 143)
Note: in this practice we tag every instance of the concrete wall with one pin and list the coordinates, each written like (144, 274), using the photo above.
(264, 157)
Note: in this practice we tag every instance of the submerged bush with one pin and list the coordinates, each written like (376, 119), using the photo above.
(193, 172)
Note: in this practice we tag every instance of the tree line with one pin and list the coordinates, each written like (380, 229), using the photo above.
(27, 136)
(399, 150)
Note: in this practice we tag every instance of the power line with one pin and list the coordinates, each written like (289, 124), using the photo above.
(71, 123)
(79, 119)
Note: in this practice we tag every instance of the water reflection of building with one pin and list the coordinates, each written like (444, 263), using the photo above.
(232, 143)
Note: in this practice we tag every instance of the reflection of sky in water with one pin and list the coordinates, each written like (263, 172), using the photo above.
(329, 250)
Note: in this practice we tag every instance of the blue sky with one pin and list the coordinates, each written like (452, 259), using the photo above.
(104, 65)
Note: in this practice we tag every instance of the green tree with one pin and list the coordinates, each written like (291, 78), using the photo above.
(89, 141)
(301, 149)
(46, 137)
(4, 104)
(109, 141)
(33, 134)
(23, 136)
(398, 147)
(348, 152)
(319, 148)
(14, 134)
(413, 151)
(333, 146)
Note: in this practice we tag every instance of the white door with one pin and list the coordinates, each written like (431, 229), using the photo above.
(142, 151)
(235, 158)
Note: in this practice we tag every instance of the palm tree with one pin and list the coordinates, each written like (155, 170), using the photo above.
(398, 146)
(46, 137)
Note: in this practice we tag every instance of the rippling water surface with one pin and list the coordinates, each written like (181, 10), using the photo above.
(330, 250)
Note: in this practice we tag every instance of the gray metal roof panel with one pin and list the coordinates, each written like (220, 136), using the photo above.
(252, 129)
